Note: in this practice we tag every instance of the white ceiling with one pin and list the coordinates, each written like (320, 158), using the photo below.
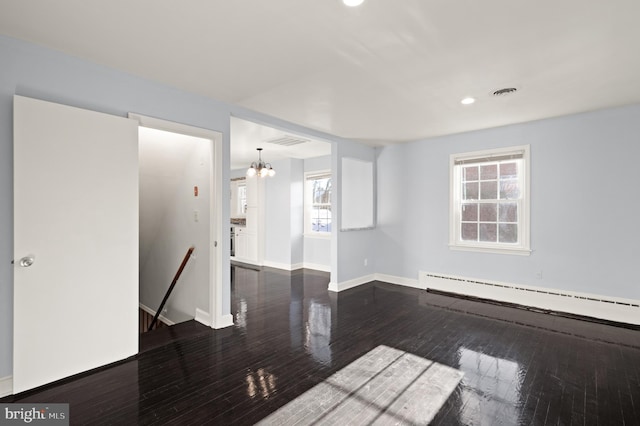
(246, 136)
(387, 71)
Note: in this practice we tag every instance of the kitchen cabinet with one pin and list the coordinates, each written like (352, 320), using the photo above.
(241, 243)
(246, 248)
(249, 239)
(252, 220)
(238, 198)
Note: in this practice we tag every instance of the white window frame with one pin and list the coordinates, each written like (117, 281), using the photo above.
(455, 190)
(308, 203)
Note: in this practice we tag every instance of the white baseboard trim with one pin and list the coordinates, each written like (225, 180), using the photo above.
(570, 302)
(406, 282)
(223, 321)
(203, 317)
(296, 266)
(6, 386)
(247, 261)
(283, 266)
(153, 313)
(346, 285)
(317, 267)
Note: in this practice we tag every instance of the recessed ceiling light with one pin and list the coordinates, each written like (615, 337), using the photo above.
(352, 3)
(467, 101)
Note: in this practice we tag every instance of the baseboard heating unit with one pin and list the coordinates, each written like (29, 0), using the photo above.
(605, 308)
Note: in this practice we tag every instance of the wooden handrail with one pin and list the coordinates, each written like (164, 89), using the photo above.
(173, 284)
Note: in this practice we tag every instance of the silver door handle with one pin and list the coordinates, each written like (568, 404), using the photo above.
(27, 261)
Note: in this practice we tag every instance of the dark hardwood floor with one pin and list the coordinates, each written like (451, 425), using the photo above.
(291, 334)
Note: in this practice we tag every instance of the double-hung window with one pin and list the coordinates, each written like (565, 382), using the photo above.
(317, 206)
(490, 201)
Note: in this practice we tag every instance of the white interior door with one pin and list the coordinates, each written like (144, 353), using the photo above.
(75, 241)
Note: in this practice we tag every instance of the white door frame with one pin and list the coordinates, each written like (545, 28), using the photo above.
(214, 318)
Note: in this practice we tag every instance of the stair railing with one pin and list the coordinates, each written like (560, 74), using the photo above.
(173, 284)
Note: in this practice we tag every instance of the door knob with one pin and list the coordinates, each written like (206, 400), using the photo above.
(27, 261)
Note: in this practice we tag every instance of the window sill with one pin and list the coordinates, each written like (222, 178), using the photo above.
(495, 250)
(319, 235)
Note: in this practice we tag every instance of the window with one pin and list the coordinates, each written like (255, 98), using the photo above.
(317, 211)
(490, 201)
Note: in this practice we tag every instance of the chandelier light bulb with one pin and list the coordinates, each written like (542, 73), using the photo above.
(352, 3)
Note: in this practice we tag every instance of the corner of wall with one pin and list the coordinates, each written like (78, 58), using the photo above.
(6, 386)
(203, 317)
(223, 321)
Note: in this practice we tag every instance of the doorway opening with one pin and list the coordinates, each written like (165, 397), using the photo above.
(174, 212)
(179, 189)
(272, 218)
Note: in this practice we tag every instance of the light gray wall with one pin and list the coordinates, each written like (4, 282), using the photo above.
(37, 72)
(284, 219)
(177, 231)
(283, 213)
(317, 163)
(350, 248)
(394, 207)
(238, 173)
(584, 232)
(296, 200)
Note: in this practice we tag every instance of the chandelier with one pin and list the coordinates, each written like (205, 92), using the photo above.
(260, 168)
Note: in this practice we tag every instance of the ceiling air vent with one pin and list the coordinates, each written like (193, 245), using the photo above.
(505, 91)
(287, 140)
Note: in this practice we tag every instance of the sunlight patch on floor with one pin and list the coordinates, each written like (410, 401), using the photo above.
(384, 386)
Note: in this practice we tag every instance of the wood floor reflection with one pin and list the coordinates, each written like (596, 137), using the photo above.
(291, 334)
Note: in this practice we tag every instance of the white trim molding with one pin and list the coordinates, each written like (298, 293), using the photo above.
(318, 235)
(391, 279)
(346, 285)
(296, 266)
(519, 154)
(283, 266)
(406, 282)
(217, 229)
(570, 302)
(6, 386)
(203, 317)
(248, 261)
(317, 267)
(223, 321)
